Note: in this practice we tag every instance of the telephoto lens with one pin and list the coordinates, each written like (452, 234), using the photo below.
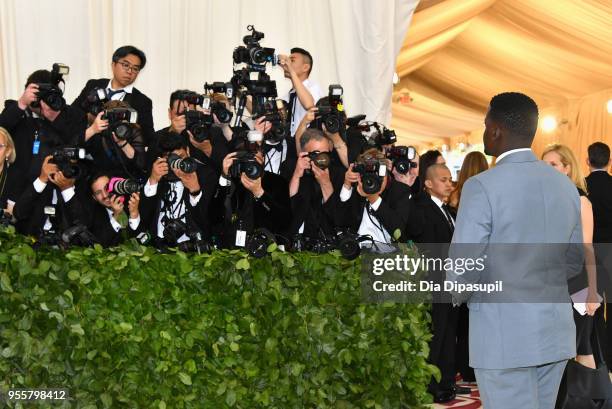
(187, 165)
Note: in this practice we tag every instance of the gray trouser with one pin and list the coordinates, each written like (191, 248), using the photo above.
(534, 387)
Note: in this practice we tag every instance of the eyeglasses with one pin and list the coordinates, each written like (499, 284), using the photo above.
(127, 67)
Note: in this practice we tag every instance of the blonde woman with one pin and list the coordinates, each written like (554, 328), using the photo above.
(562, 159)
(7, 178)
(473, 164)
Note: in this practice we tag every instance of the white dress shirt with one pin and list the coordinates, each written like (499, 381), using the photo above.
(370, 225)
(67, 194)
(298, 110)
(178, 210)
(119, 96)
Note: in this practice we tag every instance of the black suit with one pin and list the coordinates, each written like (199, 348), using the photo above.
(242, 211)
(599, 184)
(393, 212)
(430, 224)
(29, 210)
(137, 100)
(150, 207)
(25, 130)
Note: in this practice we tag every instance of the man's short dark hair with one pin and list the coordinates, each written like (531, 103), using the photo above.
(516, 112)
(95, 176)
(599, 155)
(425, 161)
(306, 55)
(171, 142)
(39, 76)
(175, 95)
(311, 134)
(122, 52)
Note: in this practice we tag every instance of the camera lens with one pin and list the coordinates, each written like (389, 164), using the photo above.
(332, 123)
(55, 101)
(123, 131)
(371, 183)
(253, 170)
(401, 166)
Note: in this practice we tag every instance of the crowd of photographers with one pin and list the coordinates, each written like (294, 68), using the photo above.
(235, 167)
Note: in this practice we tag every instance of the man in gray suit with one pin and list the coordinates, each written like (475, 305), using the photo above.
(514, 212)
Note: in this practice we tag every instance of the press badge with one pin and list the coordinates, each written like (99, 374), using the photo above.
(36, 147)
(240, 238)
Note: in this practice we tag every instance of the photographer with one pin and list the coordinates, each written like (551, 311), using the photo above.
(380, 206)
(127, 62)
(38, 128)
(410, 179)
(315, 179)
(208, 145)
(174, 206)
(304, 92)
(115, 144)
(105, 213)
(253, 198)
(49, 203)
(8, 178)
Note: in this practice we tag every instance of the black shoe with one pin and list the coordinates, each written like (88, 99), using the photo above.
(460, 390)
(444, 396)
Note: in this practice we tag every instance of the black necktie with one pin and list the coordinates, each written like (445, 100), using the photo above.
(110, 93)
(291, 106)
(276, 147)
(449, 217)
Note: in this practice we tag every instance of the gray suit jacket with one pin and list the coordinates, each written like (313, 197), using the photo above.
(523, 215)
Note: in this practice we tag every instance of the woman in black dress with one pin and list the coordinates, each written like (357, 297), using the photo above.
(562, 159)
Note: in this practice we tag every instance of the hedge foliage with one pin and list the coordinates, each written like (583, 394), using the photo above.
(129, 327)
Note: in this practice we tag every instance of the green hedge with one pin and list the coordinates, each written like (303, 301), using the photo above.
(128, 327)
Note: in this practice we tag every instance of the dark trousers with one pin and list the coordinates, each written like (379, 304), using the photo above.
(444, 318)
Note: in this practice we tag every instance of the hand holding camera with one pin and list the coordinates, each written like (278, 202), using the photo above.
(116, 203)
(189, 180)
(99, 125)
(350, 177)
(61, 181)
(133, 204)
(303, 164)
(48, 168)
(28, 96)
(205, 146)
(253, 185)
(160, 169)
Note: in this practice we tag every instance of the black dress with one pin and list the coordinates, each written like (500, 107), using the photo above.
(584, 323)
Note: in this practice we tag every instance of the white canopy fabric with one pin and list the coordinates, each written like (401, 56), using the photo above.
(189, 42)
(460, 53)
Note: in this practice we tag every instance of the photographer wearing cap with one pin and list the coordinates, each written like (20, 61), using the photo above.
(115, 141)
(380, 206)
(127, 62)
(315, 179)
(208, 144)
(40, 121)
(253, 198)
(49, 204)
(106, 211)
(174, 206)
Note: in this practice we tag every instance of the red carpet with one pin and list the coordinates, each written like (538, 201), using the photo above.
(471, 401)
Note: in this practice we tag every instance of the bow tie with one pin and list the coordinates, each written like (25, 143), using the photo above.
(278, 147)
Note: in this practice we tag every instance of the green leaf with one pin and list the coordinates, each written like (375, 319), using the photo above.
(43, 306)
(77, 329)
(59, 317)
(5, 283)
(162, 405)
(165, 335)
(234, 346)
(272, 247)
(74, 275)
(106, 399)
(230, 398)
(125, 327)
(186, 379)
(190, 366)
(243, 264)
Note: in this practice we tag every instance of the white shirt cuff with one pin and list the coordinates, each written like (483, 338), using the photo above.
(345, 194)
(150, 190)
(114, 223)
(68, 194)
(134, 223)
(376, 204)
(223, 181)
(39, 185)
(193, 201)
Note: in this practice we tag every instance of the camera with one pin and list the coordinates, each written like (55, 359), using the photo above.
(78, 235)
(220, 87)
(372, 171)
(376, 135)
(258, 241)
(120, 122)
(94, 101)
(192, 98)
(66, 158)
(402, 157)
(123, 187)
(219, 109)
(331, 111)
(244, 161)
(174, 229)
(198, 123)
(319, 159)
(187, 165)
(50, 92)
(253, 54)
(275, 112)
